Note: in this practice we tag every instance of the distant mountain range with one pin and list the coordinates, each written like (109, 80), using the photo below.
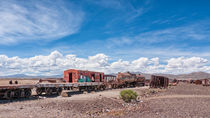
(28, 76)
(194, 76)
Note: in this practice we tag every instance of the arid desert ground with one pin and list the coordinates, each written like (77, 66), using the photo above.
(183, 100)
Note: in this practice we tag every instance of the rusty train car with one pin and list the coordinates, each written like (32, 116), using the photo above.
(125, 79)
(85, 76)
(83, 80)
(206, 82)
(159, 82)
(128, 79)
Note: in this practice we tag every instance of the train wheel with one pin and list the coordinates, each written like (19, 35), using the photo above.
(49, 91)
(103, 88)
(80, 89)
(88, 89)
(95, 88)
(27, 93)
(39, 91)
(17, 93)
(7, 94)
(59, 91)
(114, 86)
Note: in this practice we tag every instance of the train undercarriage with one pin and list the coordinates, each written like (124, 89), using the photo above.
(15, 93)
(25, 91)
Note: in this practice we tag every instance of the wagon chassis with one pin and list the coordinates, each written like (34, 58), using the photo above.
(25, 91)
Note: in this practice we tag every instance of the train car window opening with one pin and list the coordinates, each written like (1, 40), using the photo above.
(93, 77)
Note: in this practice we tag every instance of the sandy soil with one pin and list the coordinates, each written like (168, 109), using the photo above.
(183, 101)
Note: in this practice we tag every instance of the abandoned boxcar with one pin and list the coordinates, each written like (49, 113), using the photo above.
(159, 82)
(74, 76)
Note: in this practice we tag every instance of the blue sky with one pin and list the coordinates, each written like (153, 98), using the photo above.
(119, 29)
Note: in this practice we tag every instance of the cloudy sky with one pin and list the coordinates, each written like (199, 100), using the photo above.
(45, 37)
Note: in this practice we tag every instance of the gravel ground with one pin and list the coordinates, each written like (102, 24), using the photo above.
(96, 104)
(183, 101)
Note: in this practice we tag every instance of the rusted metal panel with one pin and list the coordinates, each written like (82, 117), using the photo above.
(109, 78)
(159, 82)
(198, 82)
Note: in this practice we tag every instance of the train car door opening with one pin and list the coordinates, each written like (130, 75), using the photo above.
(70, 77)
(100, 78)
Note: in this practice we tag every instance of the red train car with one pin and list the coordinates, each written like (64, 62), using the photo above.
(74, 76)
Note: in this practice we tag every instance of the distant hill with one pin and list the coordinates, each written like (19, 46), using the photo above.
(194, 75)
(29, 77)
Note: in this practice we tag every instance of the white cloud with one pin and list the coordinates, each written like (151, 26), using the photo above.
(56, 63)
(119, 65)
(185, 65)
(37, 20)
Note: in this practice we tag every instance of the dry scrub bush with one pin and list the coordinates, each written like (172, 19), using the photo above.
(128, 95)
